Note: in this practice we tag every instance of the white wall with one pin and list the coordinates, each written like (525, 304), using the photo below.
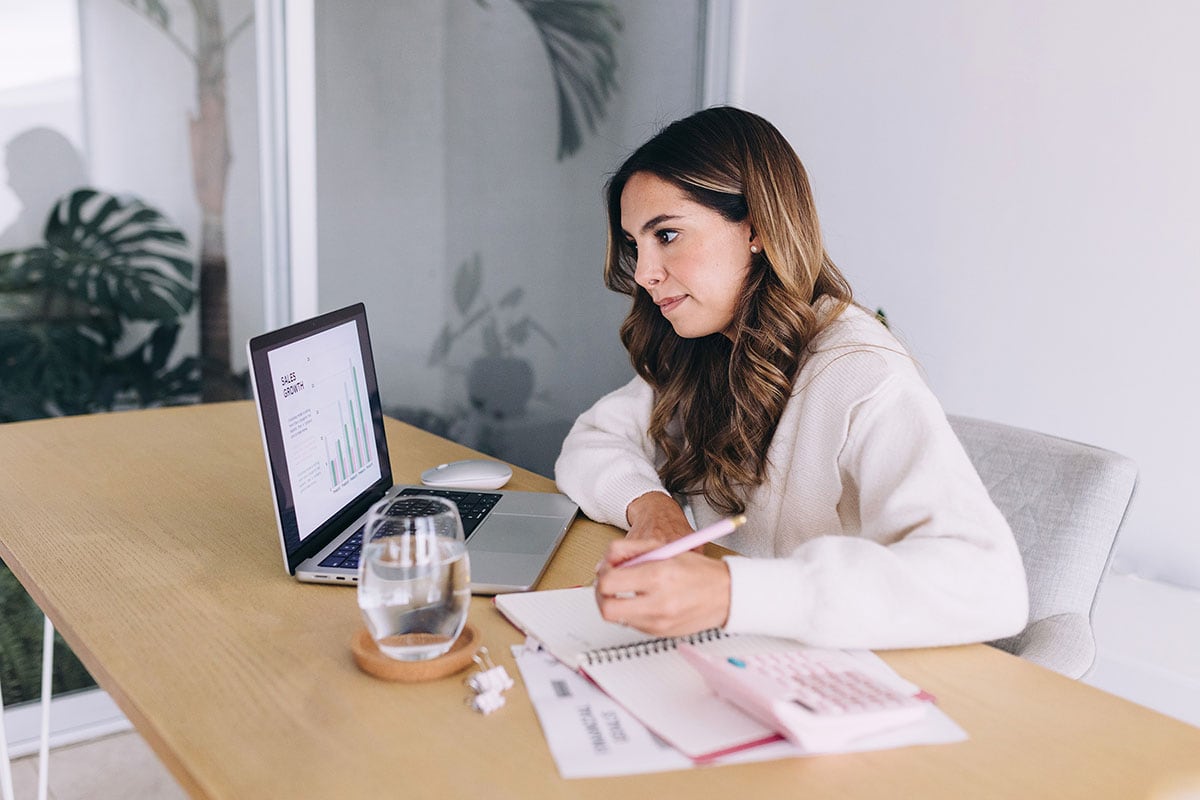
(1018, 185)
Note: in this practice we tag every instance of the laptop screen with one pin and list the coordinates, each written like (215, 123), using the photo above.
(318, 401)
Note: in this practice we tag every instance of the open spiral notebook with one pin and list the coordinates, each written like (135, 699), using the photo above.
(648, 677)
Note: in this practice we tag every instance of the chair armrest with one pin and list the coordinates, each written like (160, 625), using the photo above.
(1063, 643)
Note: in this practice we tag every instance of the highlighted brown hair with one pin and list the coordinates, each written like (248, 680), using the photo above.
(718, 399)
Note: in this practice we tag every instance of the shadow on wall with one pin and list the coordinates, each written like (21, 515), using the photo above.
(42, 166)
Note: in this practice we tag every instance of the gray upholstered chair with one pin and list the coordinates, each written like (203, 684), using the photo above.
(1065, 502)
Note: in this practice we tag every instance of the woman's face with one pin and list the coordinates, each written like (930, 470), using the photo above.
(690, 259)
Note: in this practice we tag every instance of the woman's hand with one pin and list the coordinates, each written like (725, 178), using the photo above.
(679, 595)
(656, 516)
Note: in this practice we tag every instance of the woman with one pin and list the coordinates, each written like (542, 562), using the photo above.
(762, 389)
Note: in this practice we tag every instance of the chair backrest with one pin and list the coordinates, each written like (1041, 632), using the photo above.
(1065, 502)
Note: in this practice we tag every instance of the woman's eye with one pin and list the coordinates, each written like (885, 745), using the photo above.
(666, 237)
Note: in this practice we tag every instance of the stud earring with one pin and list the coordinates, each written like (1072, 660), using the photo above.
(754, 248)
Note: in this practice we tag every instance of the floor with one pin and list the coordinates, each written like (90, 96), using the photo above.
(115, 767)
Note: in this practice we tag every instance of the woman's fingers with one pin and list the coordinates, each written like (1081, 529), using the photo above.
(680, 595)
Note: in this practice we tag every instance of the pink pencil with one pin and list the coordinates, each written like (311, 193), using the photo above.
(684, 543)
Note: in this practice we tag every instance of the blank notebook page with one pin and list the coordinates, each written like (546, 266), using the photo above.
(644, 674)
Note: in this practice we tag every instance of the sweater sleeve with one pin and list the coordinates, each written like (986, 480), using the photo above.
(935, 562)
(607, 459)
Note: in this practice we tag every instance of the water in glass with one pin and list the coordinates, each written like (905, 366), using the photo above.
(414, 577)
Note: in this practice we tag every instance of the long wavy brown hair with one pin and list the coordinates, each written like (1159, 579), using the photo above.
(718, 398)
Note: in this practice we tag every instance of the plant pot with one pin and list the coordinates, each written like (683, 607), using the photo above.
(500, 386)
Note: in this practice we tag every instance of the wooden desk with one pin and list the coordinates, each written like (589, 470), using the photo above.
(148, 538)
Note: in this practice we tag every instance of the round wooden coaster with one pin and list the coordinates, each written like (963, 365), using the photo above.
(373, 662)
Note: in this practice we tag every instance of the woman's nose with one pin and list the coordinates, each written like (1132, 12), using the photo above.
(648, 272)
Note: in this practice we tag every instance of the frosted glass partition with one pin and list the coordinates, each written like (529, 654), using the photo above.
(446, 201)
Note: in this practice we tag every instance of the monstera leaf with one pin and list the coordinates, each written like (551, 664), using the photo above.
(119, 255)
(105, 262)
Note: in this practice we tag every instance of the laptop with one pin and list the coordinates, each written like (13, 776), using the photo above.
(327, 459)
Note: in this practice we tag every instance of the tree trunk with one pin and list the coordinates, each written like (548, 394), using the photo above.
(210, 168)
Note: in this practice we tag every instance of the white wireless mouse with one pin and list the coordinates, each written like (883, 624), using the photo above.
(475, 473)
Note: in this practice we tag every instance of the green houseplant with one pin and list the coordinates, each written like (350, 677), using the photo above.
(91, 316)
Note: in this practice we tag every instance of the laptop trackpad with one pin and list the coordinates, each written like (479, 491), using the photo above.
(504, 533)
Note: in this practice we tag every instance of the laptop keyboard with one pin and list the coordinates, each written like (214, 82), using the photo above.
(472, 507)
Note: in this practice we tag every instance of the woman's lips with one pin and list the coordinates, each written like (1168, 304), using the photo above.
(666, 304)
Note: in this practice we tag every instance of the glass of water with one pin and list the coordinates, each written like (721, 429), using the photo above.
(414, 576)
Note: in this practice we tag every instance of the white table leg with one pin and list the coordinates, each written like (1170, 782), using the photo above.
(47, 670)
(6, 785)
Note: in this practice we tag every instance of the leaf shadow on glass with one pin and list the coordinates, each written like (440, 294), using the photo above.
(499, 382)
(580, 41)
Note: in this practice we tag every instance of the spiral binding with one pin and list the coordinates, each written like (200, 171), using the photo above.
(605, 655)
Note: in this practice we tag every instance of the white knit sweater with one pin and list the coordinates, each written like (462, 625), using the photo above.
(872, 529)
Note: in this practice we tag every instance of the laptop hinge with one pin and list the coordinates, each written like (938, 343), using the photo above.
(323, 535)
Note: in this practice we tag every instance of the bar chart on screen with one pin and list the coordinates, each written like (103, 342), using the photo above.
(321, 394)
(344, 427)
